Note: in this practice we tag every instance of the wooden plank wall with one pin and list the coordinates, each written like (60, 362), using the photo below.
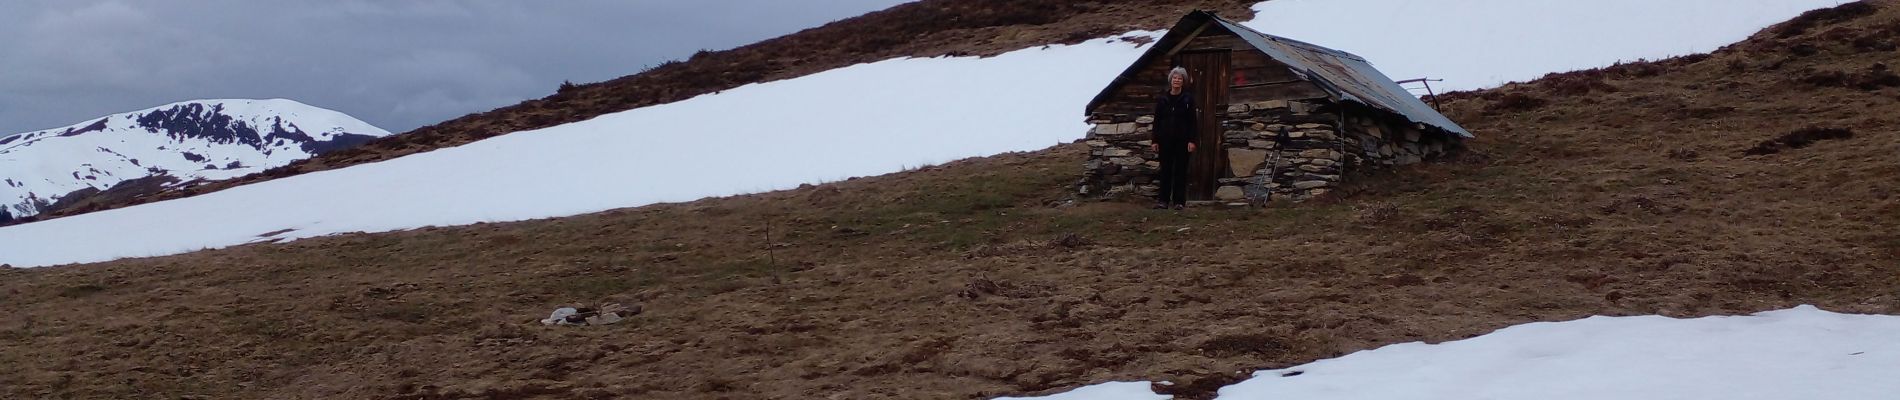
(1256, 77)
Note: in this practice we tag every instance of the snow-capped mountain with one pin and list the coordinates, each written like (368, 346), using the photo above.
(185, 141)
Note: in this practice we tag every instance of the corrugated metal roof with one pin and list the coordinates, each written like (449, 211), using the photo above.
(1345, 76)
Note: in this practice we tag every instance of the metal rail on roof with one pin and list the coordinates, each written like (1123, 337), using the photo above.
(1428, 89)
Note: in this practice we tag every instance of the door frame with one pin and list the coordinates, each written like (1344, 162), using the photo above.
(1209, 74)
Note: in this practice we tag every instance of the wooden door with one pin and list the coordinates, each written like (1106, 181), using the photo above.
(1207, 77)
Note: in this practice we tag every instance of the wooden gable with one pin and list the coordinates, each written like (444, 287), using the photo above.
(1255, 76)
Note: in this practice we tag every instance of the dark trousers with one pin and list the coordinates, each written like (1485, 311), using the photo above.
(1174, 173)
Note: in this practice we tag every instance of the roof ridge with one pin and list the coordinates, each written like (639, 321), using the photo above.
(1297, 42)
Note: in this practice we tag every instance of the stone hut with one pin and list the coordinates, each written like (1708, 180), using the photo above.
(1281, 119)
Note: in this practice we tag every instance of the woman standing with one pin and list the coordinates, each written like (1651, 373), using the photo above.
(1173, 139)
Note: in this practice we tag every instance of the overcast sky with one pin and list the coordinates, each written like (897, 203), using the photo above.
(395, 64)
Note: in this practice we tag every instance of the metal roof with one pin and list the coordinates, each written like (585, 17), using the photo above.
(1346, 77)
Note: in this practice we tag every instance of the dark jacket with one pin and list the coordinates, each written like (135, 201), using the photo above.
(1174, 119)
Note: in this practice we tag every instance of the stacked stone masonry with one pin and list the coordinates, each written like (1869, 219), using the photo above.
(1276, 150)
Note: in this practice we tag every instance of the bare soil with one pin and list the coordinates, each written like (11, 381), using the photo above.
(1619, 191)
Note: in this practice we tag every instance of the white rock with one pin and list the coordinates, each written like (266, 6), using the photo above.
(559, 316)
(607, 318)
(1270, 104)
(1230, 193)
(1319, 153)
(1244, 161)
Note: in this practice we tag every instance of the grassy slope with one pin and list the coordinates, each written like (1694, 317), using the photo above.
(924, 28)
(1616, 191)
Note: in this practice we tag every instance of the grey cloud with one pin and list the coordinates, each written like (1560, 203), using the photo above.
(396, 64)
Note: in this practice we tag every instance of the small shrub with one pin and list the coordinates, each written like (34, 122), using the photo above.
(599, 286)
(1638, 69)
(1876, 77)
(1071, 241)
(80, 290)
(1873, 43)
(404, 312)
(1576, 84)
(1811, 19)
(1516, 102)
(1376, 213)
(1248, 343)
(1825, 78)
(1803, 50)
(1798, 139)
(1702, 112)
(1684, 154)
(1689, 59)
(264, 326)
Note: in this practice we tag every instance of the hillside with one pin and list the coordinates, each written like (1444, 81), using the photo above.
(902, 113)
(128, 154)
(1755, 178)
(924, 28)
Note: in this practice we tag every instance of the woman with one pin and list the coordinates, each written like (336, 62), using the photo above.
(1173, 138)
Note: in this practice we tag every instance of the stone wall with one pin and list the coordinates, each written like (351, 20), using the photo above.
(1382, 142)
(1279, 150)
(1120, 161)
(1276, 150)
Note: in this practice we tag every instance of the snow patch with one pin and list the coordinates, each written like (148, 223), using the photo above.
(1103, 391)
(1476, 44)
(1798, 353)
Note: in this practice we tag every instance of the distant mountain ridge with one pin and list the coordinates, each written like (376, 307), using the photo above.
(165, 146)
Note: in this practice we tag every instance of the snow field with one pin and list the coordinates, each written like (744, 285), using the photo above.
(1794, 354)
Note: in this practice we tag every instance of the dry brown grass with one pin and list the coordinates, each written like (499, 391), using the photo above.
(973, 279)
(923, 29)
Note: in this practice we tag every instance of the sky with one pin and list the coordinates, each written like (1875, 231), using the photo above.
(395, 64)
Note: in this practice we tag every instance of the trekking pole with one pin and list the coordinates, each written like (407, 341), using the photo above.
(771, 258)
(771, 254)
(1279, 154)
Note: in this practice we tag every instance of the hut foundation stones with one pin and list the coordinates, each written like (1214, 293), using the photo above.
(1274, 151)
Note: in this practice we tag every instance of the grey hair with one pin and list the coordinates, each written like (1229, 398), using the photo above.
(1177, 71)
